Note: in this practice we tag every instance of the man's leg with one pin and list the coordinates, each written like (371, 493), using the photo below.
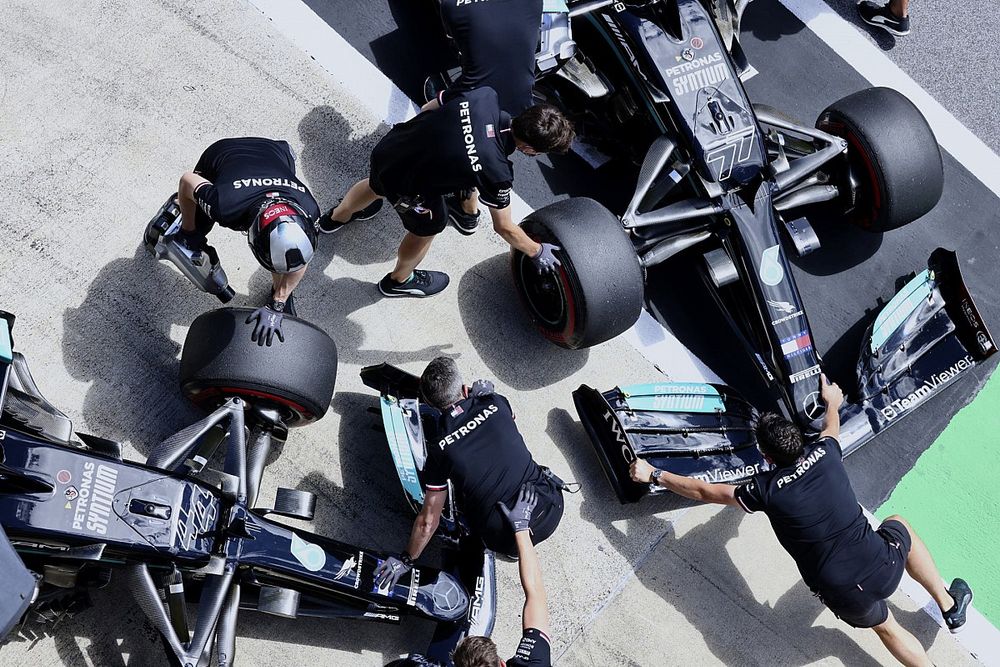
(903, 646)
(900, 8)
(357, 198)
(412, 251)
(920, 565)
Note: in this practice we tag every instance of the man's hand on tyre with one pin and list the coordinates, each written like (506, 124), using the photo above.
(520, 515)
(390, 572)
(267, 323)
(545, 261)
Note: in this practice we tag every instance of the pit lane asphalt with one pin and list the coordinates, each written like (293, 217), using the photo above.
(799, 75)
(99, 129)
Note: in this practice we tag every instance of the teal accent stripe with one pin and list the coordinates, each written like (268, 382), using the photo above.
(673, 397)
(900, 307)
(399, 446)
(6, 347)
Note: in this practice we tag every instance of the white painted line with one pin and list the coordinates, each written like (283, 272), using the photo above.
(855, 49)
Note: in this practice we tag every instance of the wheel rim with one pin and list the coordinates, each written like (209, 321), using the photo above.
(543, 293)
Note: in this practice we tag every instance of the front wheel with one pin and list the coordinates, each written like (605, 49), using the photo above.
(894, 171)
(597, 293)
(296, 377)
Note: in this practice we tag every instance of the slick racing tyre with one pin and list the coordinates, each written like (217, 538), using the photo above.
(894, 168)
(597, 293)
(296, 377)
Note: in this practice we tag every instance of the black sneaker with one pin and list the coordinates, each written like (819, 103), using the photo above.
(328, 225)
(433, 85)
(194, 243)
(465, 223)
(881, 16)
(421, 283)
(954, 618)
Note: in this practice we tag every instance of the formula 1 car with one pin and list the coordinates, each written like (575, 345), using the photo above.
(180, 532)
(726, 179)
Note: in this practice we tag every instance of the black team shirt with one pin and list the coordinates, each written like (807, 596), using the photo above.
(498, 40)
(243, 172)
(816, 517)
(465, 144)
(476, 444)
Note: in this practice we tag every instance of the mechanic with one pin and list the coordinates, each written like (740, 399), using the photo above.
(249, 184)
(473, 441)
(496, 41)
(815, 514)
(459, 141)
(893, 17)
(534, 649)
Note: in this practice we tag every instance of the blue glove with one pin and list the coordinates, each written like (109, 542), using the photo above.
(268, 323)
(520, 516)
(545, 261)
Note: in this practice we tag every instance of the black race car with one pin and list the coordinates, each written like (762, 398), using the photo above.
(728, 180)
(181, 532)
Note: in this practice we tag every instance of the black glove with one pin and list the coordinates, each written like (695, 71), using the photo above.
(481, 388)
(391, 570)
(268, 323)
(545, 261)
(520, 516)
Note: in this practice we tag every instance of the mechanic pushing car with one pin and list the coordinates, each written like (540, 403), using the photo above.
(474, 442)
(460, 141)
(534, 649)
(815, 514)
(249, 184)
(496, 40)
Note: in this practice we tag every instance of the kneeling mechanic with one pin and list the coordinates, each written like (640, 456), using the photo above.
(473, 441)
(249, 185)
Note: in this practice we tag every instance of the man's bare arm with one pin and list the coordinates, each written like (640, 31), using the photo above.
(185, 198)
(426, 522)
(503, 224)
(689, 487)
(834, 398)
(536, 605)
(285, 283)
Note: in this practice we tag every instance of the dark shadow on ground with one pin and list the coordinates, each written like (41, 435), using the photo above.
(503, 335)
(769, 21)
(118, 340)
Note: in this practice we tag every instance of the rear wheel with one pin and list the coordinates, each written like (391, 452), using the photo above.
(597, 293)
(297, 377)
(894, 170)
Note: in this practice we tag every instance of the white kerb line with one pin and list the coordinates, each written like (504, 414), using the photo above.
(850, 45)
(979, 636)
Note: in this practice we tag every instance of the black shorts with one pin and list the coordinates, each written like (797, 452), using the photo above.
(862, 605)
(423, 215)
(498, 535)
